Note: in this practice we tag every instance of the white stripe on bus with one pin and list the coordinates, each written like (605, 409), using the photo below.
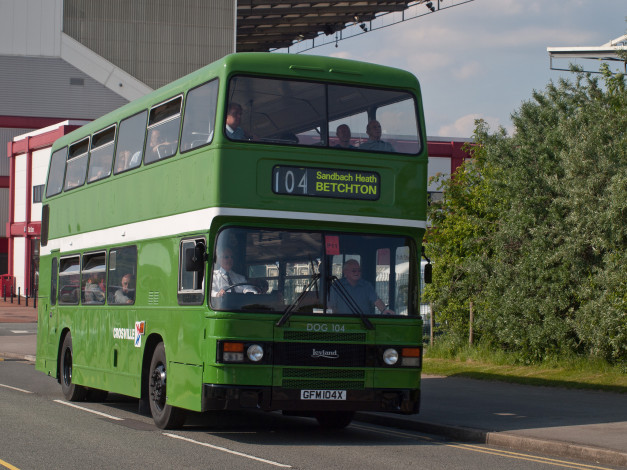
(201, 220)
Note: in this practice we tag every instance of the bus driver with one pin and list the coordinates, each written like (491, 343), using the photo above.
(224, 276)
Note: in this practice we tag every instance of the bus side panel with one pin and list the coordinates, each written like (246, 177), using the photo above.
(75, 319)
(116, 353)
(184, 385)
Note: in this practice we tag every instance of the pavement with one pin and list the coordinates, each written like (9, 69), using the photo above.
(576, 424)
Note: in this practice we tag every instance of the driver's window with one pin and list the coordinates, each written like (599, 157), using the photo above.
(191, 285)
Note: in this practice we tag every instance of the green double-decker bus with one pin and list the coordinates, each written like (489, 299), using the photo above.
(246, 237)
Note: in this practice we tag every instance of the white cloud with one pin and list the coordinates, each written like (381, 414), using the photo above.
(469, 70)
(342, 55)
(465, 126)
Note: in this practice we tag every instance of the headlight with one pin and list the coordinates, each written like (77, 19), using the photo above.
(390, 356)
(255, 352)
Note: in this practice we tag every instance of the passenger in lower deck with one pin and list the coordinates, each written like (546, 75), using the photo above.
(354, 292)
(125, 295)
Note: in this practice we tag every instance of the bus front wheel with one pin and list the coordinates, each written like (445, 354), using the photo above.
(71, 391)
(165, 416)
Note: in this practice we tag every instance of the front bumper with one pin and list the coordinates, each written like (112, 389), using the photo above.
(232, 397)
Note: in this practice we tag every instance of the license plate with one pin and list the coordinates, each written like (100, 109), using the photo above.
(323, 394)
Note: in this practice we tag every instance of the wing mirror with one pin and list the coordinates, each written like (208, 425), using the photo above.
(195, 257)
(428, 270)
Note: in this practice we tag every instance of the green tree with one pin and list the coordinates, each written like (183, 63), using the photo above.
(534, 229)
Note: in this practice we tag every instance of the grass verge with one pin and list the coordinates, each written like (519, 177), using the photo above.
(591, 376)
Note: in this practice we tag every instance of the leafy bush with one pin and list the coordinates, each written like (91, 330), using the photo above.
(533, 230)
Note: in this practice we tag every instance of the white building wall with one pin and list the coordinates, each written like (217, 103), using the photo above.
(19, 214)
(41, 159)
(441, 165)
(19, 247)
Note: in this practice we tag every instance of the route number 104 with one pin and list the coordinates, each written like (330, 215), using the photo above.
(290, 180)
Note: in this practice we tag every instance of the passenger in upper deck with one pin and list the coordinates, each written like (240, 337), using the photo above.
(343, 133)
(233, 120)
(374, 142)
(123, 161)
(158, 147)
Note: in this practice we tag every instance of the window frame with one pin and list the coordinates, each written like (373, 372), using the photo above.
(92, 149)
(74, 160)
(325, 133)
(56, 165)
(62, 275)
(153, 126)
(291, 277)
(84, 261)
(194, 296)
(38, 193)
(117, 171)
(54, 280)
(210, 135)
(113, 266)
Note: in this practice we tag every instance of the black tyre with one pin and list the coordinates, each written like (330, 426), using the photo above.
(164, 416)
(334, 419)
(71, 391)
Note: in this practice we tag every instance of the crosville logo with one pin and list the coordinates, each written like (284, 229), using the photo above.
(315, 353)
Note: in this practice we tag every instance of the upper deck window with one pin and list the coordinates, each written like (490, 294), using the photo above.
(76, 164)
(57, 172)
(130, 142)
(101, 155)
(316, 114)
(163, 130)
(200, 116)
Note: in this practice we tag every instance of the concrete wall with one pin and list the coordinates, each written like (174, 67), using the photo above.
(156, 41)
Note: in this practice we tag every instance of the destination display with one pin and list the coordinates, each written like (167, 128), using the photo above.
(321, 182)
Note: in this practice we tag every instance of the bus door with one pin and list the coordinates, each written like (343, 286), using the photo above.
(47, 321)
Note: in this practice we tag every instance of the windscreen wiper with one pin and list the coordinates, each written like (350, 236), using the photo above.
(350, 301)
(290, 308)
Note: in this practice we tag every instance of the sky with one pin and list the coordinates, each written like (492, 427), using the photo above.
(483, 59)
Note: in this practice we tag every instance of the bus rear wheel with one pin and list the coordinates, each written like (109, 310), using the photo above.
(165, 416)
(71, 391)
(334, 419)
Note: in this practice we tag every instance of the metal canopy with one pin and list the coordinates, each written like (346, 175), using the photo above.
(606, 52)
(265, 25)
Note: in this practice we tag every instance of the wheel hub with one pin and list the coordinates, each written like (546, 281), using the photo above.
(157, 385)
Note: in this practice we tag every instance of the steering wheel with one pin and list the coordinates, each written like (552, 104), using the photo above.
(257, 289)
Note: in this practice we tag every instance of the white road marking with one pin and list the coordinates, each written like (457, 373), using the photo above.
(104, 415)
(224, 449)
(15, 388)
